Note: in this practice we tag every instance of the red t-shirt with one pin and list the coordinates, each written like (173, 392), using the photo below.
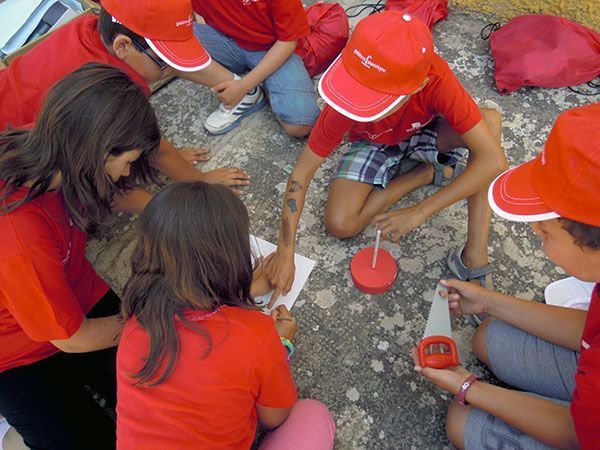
(206, 403)
(585, 405)
(24, 84)
(46, 283)
(255, 24)
(442, 95)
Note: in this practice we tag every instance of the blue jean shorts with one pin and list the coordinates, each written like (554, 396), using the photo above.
(530, 364)
(290, 89)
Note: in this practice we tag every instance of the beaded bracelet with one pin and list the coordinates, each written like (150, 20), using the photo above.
(290, 347)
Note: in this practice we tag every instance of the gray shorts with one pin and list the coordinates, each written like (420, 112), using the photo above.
(527, 363)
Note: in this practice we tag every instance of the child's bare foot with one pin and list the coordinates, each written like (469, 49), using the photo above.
(194, 155)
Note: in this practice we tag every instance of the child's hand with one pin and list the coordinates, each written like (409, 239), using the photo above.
(230, 92)
(194, 155)
(395, 224)
(466, 298)
(260, 281)
(285, 322)
(449, 379)
(281, 271)
(229, 176)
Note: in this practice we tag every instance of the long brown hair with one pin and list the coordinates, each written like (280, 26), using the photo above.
(192, 253)
(94, 112)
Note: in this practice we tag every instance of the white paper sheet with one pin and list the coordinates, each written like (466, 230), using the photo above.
(304, 267)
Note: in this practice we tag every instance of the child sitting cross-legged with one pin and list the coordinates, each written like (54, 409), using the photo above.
(198, 364)
(552, 353)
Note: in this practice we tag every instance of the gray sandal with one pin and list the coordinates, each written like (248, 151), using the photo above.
(460, 271)
(439, 179)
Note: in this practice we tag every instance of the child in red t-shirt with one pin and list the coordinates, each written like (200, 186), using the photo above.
(397, 99)
(550, 351)
(260, 37)
(148, 40)
(198, 363)
(59, 323)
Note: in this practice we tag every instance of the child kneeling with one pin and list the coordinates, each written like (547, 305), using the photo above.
(550, 352)
(199, 364)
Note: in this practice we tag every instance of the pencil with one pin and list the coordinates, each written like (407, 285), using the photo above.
(287, 319)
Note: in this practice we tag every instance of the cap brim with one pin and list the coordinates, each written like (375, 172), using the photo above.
(513, 196)
(187, 56)
(353, 99)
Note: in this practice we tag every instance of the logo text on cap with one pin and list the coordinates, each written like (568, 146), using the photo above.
(367, 61)
(186, 22)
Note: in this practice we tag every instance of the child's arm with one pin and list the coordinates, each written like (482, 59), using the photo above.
(231, 92)
(486, 161)
(561, 326)
(272, 417)
(92, 335)
(280, 268)
(169, 162)
(544, 420)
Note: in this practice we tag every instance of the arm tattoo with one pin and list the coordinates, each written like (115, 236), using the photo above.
(292, 205)
(285, 229)
(294, 186)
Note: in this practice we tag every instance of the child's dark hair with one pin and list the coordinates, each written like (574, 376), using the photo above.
(94, 112)
(584, 235)
(110, 29)
(192, 253)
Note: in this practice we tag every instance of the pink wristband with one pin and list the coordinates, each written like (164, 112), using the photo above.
(462, 392)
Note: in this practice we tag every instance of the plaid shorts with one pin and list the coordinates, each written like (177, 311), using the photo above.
(378, 164)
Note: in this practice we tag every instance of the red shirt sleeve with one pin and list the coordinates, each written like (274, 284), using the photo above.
(34, 287)
(585, 405)
(328, 132)
(271, 373)
(452, 100)
(289, 19)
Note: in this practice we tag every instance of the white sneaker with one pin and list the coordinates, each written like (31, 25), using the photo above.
(223, 119)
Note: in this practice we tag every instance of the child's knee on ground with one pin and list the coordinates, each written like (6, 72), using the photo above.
(456, 420)
(479, 342)
(297, 131)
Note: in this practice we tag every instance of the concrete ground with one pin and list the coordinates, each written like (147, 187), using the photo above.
(353, 349)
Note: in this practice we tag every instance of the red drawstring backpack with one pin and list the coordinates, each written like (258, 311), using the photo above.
(429, 11)
(543, 50)
(329, 31)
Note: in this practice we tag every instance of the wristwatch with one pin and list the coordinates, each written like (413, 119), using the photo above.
(462, 392)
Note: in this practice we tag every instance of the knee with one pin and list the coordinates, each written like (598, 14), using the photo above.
(493, 119)
(479, 342)
(319, 419)
(456, 421)
(340, 226)
(297, 131)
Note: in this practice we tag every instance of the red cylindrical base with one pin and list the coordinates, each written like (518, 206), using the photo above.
(377, 280)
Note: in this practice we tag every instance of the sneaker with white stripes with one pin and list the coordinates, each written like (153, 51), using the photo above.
(223, 119)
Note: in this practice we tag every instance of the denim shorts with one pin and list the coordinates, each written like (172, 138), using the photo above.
(290, 89)
(530, 364)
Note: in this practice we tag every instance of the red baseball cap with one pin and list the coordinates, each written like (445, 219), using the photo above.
(562, 181)
(387, 57)
(167, 27)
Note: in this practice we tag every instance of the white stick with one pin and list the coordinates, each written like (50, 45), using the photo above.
(374, 262)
